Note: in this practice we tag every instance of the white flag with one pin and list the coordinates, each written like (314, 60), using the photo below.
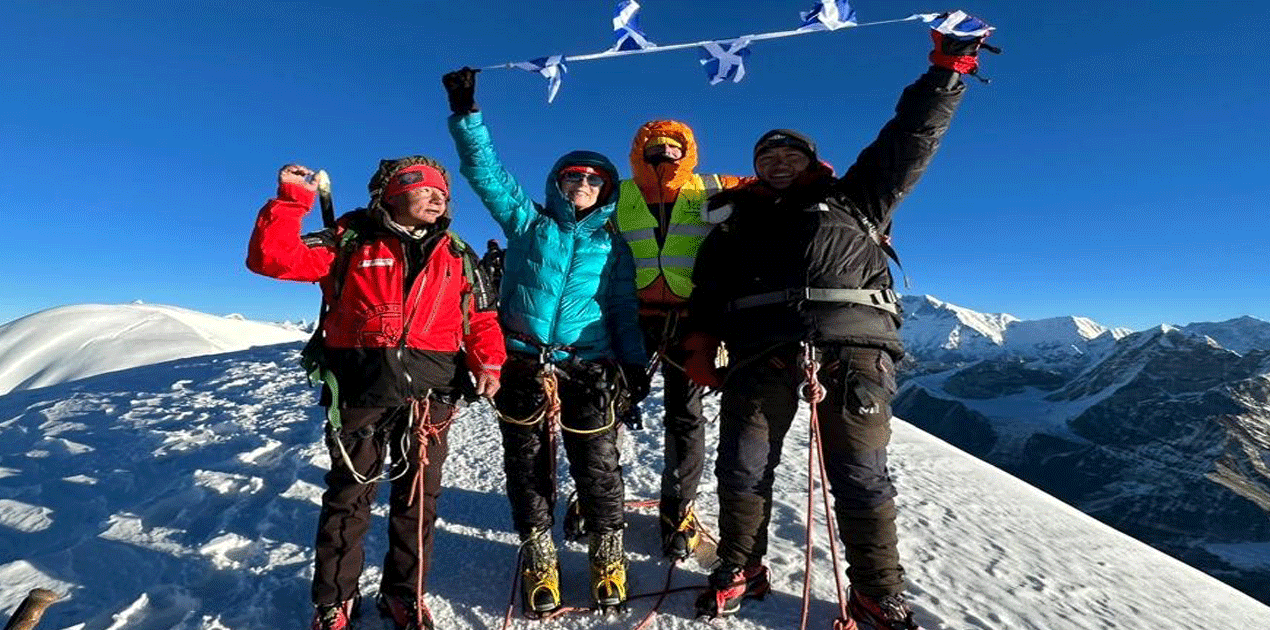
(828, 15)
(626, 29)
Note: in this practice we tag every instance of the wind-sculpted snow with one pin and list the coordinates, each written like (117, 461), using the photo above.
(185, 494)
(71, 342)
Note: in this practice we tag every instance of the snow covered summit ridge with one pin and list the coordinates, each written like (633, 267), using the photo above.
(934, 328)
(73, 342)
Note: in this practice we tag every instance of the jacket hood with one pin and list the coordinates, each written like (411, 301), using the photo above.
(560, 208)
(663, 181)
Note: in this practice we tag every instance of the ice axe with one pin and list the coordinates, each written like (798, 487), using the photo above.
(324, 197)
(31, 609)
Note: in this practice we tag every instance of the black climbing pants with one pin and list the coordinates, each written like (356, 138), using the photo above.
(589, 436)
(683, 422)
(369, 435)
(760, 398)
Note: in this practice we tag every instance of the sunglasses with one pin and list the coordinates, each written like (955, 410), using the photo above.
(577, 177)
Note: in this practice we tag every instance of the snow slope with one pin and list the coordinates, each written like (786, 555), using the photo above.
(71, 342)
(184, 495)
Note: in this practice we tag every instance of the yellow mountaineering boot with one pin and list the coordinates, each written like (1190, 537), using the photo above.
(608, 570)
(540, 575)
(680, 539)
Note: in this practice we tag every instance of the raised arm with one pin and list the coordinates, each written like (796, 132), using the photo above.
(891, 166)
(276, 248)
(479, 164)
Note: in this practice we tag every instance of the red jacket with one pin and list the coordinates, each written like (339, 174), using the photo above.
(386, 344)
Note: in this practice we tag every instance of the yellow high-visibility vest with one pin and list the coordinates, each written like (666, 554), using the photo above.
(684, 233)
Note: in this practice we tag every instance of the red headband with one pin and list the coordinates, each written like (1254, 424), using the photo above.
(413, 177)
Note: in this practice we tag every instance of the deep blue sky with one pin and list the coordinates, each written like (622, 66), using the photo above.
(1116, 168)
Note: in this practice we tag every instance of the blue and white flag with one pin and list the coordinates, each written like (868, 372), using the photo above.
(725, 60)
(959, 25)
(828, 15)
(551, 67)
(626, 29)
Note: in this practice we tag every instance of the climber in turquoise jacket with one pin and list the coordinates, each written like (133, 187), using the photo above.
(568, 281)
(570, 317)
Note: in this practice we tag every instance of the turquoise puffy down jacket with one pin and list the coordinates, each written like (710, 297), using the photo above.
(566, 283)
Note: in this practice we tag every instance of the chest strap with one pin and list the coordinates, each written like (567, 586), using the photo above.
(884, 299)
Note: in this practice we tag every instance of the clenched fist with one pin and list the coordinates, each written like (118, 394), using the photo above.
(299, 175)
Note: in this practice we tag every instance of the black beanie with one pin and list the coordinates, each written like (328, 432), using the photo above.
(785, 138)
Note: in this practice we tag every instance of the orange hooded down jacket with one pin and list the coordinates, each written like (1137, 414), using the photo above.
(660, 185)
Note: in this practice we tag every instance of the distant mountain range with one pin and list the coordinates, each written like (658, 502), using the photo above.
(1163, 434)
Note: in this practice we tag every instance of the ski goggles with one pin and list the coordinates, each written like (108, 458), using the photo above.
(577, 175)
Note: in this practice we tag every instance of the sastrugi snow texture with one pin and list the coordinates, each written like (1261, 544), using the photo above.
(185, 495)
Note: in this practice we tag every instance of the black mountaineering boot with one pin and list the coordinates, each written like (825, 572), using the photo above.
(729, 585)
(680, 536)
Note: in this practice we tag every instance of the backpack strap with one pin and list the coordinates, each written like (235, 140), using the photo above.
(881, 240)
(313, 357)
(464, 252)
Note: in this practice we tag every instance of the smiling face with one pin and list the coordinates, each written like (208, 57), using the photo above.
(583, 192)
(418, 206)
(581, 186)
(778, 167)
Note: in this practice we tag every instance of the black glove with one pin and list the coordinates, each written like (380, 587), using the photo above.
(957, 40)
(636, 378)
(460, 87)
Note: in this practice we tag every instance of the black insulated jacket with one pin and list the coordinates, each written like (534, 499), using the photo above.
(817, 234)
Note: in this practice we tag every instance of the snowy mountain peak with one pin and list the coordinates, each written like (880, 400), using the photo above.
(1241, 334)
(72, 342)
(1069, 329)
(934, 325)
(934, 328)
